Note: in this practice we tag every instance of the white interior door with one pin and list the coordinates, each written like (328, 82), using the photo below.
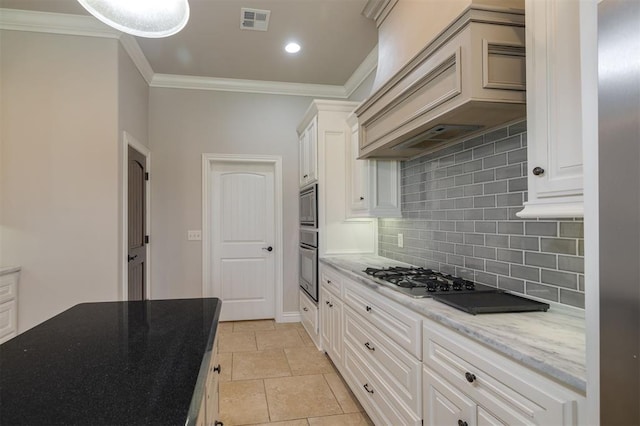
(243, 236)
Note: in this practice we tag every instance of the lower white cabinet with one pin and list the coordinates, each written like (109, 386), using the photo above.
(331, 326)
(406, 369)
(465, 383)
(309, 317)
(8, 305)
(365, 336)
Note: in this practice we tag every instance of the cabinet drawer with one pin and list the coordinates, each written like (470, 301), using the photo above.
(309, 314)
(8, 287)
(397, 322)
(331, 280)
(381, 403)
(397, 368)
(8, 320)
(509, 391)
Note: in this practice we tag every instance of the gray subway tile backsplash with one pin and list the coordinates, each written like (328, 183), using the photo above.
(459, 210)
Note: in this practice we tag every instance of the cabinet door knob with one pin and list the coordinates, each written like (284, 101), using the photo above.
(361, 198)
(368, 346)
(366, 387)
(328, 281)
(326, 302)
(538, 171)
(305, 176)
(217, 369)
(331, 305)
(461, 423)
(470, 377)
(368, 308)
(305, 309)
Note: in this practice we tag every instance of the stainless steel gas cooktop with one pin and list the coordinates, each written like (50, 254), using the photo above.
(421, 282)
(457, 292)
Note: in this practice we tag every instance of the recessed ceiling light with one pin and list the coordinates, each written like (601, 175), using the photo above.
(292, 47)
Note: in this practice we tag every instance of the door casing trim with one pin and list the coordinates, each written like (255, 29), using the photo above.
(276, 161)
(129, 141)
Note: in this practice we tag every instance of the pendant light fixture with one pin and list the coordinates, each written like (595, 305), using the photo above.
(143, 18)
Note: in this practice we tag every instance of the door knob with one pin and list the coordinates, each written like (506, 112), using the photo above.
(267, 248)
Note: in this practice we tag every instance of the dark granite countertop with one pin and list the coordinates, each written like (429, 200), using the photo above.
(111, 363)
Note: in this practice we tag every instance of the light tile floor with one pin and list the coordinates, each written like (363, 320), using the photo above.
(273, 374)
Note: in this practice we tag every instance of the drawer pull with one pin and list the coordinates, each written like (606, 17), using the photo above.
(217, 369)
(461, 423)
(470, 377)
(328, 281)
(366, 387)
(305, 309)
(217, 423)
(368, 308)
(331, 305)
(326, 302)
(368, 346)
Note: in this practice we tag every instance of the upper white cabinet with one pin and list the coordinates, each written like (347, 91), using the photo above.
(308, 153)
(324, 141)
(554, 109)
(373, 186)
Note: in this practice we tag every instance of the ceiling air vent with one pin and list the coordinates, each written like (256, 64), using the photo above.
(254, 19)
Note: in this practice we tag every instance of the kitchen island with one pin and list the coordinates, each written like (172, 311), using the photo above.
(115, 363)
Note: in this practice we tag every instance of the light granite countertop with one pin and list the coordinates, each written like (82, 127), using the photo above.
(5, 270)
(552, 342)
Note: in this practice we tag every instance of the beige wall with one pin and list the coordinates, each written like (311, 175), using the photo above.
(59, 170)
(183, 125)
(133, 118)
(412, 24)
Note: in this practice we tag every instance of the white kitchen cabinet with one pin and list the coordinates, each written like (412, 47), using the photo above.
(554, 110)
(373, 186)
(8, 303)
(372, 337)
(309, 317)
(308, 166)
(331, 315)
(331, 325)
(325, 124)
(443, 403)
(463, 379)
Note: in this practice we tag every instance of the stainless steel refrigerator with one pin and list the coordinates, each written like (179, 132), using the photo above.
(619, 207)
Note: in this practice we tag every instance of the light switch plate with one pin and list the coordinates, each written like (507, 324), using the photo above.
(194, 235)
(400, 240)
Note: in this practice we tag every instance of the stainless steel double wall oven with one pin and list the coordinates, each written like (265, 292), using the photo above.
(308, 251)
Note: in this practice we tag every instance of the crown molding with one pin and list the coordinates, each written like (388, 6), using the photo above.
(55, 23)
(247, 86)
(368, 65)
(132, 47)
(80, 25)
(378, 10)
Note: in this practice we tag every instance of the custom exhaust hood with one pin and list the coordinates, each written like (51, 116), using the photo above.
(470, 78)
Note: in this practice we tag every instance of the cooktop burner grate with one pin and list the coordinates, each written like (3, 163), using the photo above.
(422, 282)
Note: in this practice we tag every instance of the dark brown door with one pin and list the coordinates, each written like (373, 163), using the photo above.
(136, 217)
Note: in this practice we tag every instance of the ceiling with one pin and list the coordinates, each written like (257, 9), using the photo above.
(334, 36)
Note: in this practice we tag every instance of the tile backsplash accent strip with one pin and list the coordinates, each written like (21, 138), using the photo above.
(459, 210)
